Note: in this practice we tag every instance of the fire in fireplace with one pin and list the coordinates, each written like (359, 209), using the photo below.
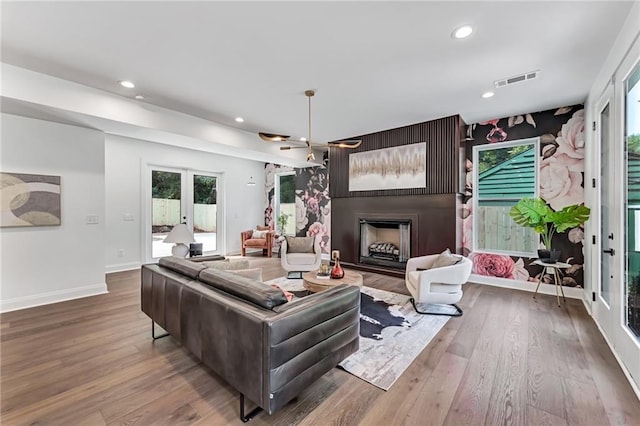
(385, 242)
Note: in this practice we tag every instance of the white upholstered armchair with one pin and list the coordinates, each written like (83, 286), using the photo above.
(430, 283)
(304, 254)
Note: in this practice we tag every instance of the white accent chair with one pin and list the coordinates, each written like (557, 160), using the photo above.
(442, 285)
(300, 262)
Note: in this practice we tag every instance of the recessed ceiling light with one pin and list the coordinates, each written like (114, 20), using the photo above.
(303, 139)
(240, 119)
(126, 83)
(487, 94)
(139, 97)
(462, 32)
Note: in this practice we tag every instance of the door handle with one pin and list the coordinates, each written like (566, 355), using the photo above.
(612, 252)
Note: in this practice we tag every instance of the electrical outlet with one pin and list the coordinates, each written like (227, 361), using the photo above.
(120, 252)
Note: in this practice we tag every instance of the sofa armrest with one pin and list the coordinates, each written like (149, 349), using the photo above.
(245, 235)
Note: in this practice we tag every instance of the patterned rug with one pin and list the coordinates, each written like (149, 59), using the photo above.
(392, 334)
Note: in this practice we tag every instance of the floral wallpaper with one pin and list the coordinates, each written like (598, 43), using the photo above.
(561, 180)
(313, 205)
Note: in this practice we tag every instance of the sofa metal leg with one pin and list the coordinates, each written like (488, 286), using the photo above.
(153, 332)
(246, 417)
(458, 312)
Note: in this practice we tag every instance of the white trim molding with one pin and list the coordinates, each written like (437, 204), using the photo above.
(120, 267)
(52, 297)
(530, 286)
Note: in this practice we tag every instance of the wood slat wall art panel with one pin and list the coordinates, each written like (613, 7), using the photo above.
(443, 137)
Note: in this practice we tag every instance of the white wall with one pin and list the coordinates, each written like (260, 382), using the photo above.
(125, 162)
(48, 264)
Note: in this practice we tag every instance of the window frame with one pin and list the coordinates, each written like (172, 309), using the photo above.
(476, 190)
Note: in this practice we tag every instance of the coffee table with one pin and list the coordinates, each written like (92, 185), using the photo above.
(314, 284)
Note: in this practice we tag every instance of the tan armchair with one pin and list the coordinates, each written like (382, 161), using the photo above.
(266, 243)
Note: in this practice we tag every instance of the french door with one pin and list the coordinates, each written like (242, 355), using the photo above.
(175, 196)
(617, 306)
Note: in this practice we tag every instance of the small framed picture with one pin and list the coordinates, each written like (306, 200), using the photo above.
(335, 254)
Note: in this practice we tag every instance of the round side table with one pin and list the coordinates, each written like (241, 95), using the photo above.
(552, 268)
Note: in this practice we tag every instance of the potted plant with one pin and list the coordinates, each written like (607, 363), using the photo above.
(282, 220)
(535, 213)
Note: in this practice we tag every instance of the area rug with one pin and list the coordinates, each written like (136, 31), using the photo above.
(392, 334)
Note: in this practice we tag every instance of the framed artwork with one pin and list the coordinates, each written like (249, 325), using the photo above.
(389, 168)
(29, 200)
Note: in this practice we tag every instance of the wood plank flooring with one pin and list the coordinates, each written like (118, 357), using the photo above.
(507, 360)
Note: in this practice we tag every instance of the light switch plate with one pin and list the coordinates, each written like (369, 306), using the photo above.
(92, 219)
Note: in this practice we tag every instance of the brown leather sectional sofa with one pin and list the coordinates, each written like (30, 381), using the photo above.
(246, 331)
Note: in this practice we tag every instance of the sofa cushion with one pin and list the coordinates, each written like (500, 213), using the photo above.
(244, 288)
(446, 259)
(259, 234)
(255, 242)
(301, 258)
(227, 265)
(253, 273)
(182, 265)
(300, 244)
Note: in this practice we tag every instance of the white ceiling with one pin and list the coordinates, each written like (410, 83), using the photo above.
(375, 65)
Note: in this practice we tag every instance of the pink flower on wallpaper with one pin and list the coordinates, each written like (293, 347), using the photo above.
(571, 137)
(520, 273)
(468, 165)
(493, 122)
(466, 215)
(492, 265)
(576, 235)
(496, 135)
(316, 228)
(561, 181)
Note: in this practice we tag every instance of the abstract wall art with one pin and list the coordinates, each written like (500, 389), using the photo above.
(29, 200)
(389, 168)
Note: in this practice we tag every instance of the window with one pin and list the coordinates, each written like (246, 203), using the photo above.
(285, 202)
(503, 174)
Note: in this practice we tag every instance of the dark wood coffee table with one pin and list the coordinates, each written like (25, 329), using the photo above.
(315, 285)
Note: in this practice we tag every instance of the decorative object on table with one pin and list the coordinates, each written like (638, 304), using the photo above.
(324, 271)
(337, 272)
(335, 254)
(282, 220)
(30, 200)
(389, 168)
(195, 249)
(535, 213)
(392, 334)
(180, 235)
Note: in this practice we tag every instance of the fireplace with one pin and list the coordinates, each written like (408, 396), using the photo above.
(385, 242)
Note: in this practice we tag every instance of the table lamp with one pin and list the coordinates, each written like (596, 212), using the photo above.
(181, 236)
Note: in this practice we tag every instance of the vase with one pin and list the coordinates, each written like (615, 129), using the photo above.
(337, 272)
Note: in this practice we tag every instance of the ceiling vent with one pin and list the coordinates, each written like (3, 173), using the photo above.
(516, 79)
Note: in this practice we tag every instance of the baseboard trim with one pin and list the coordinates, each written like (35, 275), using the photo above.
(569, 292)
(119, 267)
(52, 297)
(633, 384)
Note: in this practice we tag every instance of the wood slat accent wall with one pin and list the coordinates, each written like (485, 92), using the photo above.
(443, 138)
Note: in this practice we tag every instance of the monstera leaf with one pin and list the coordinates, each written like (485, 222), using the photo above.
(570, 217)
(532, 213)
(535, 213)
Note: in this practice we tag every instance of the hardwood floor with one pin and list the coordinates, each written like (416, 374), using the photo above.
(507, 360)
